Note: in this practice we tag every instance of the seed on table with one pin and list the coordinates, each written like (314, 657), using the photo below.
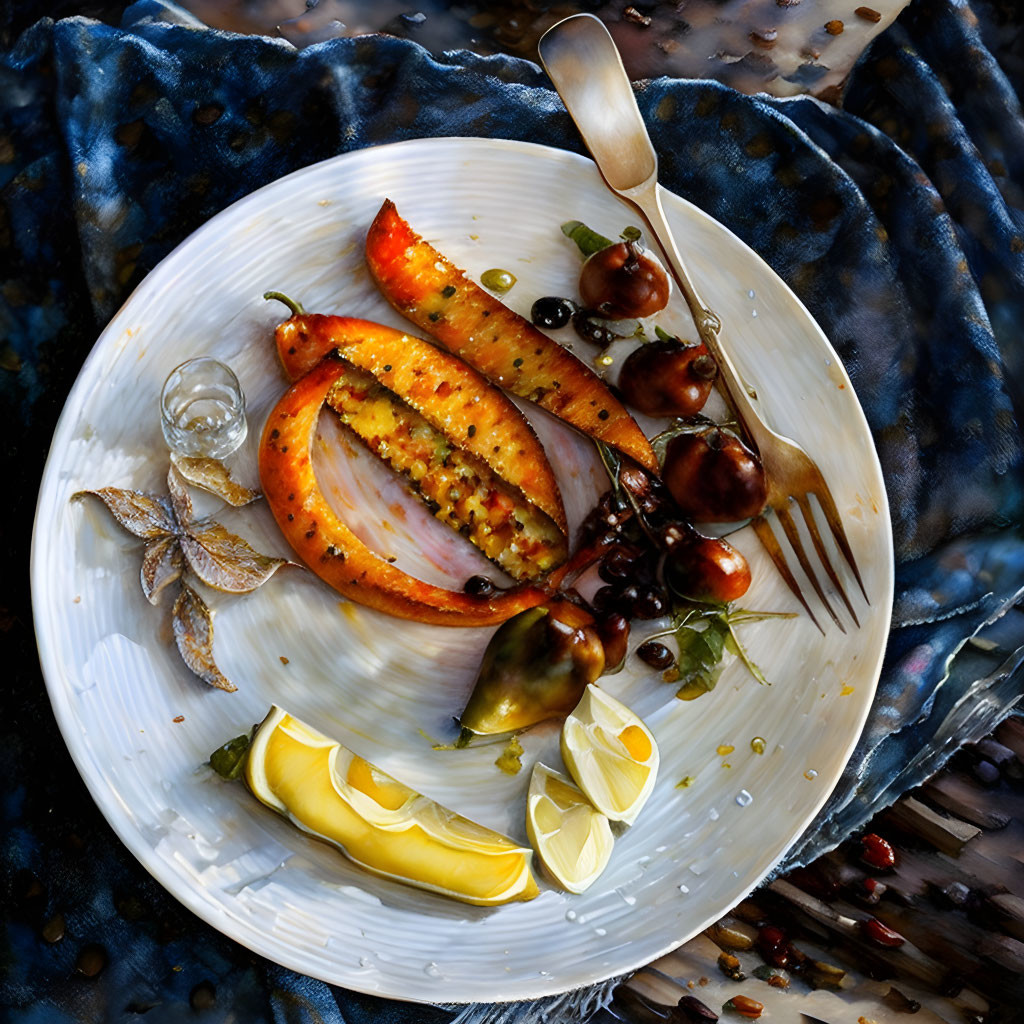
(53, 930)
(729, 965)
(881, 934)
(730, 934)
(693, 1011)
(745, 1007)
(868, 14)
(203, 996)
(877, 852)
(834, 27)
(91, 960)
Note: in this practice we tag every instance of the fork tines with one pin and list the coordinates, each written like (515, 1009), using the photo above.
(771, 544)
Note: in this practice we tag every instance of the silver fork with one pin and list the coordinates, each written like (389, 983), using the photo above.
(582, 61)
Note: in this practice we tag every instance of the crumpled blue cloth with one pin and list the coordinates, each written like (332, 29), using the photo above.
(897, 220)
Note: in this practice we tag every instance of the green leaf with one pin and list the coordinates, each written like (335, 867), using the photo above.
(586, 239)
(700, 653)
(228, 761)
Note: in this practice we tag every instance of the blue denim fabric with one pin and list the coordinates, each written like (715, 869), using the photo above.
(897, 220)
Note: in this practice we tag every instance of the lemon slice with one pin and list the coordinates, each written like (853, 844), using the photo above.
(379, 823)
(611, 755)
(573, 840)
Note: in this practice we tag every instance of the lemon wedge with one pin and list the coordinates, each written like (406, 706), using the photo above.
(378, 822)
(610, 754)
(572, 839)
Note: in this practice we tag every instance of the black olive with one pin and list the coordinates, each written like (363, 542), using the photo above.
(589, 326)
(478, 586)
(650, 603)
(618, 565)
(655, 654)
(552, 311)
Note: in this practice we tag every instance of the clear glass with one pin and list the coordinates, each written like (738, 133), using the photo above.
(202, 409)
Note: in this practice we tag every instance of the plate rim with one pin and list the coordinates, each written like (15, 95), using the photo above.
(213, 913)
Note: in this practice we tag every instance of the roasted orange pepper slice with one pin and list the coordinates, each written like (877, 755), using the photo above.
(451, 396)
(428, 289)
(330, 548)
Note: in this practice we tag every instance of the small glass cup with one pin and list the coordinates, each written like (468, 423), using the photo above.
(202, 409)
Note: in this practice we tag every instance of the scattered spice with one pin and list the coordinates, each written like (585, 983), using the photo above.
(723, 749)
(686, 782)
(834, 27)
(510, 760)
(757, 745)
(178, 718)
(283, 659)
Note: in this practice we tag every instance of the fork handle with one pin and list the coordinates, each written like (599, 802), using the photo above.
(647, 199)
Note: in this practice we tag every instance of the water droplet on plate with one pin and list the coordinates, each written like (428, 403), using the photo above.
(750, 294)
(810, 774)
(570, 915)
(684, 889)
(753, 312)
(600, 931)
(743, 798)
(713, 814)
(432, 970)
(365, 961)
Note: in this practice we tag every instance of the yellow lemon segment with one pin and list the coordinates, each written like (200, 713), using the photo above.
(379, 823)
(573, 840)
(610, 754)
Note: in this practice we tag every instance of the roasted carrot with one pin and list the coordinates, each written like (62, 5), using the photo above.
(428, 289)
(476, 416)
(329, 547)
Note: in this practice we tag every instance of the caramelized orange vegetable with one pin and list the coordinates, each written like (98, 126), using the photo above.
(450, 395)
(329, 547)
(434, 294)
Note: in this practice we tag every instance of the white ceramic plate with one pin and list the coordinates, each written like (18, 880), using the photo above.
(383, 686)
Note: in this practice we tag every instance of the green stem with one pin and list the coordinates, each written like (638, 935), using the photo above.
(296, 307)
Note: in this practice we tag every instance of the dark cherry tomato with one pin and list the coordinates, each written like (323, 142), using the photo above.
(588, 325)
(668, 378)
(655, 654)
(552, 312)
(614, 633)
(622, 281)
(714, 477)
(708, 569)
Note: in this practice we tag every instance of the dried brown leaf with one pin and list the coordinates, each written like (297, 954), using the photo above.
(225, 561)
(162, 564)
(193, 633)
(145, 515)
(213, 476)
(181, 500)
